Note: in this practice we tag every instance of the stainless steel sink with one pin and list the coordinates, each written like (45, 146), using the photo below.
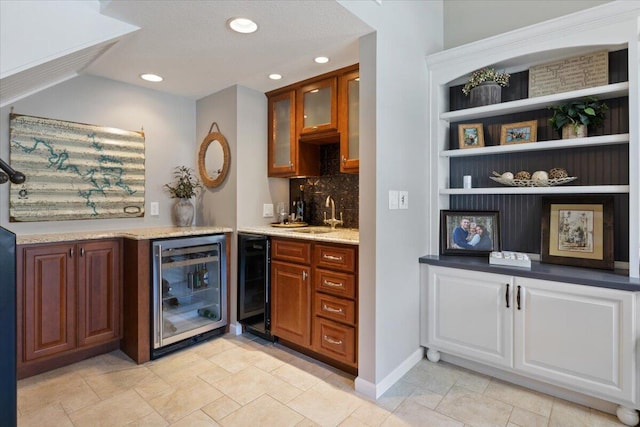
(314, 230)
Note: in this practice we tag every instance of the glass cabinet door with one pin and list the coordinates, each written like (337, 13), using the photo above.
(319, 107)
(350, 122)
(190, 290)
(282, 135)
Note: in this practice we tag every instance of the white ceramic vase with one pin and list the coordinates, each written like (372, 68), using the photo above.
(183, 212)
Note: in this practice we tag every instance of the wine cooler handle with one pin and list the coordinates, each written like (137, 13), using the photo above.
(506, 297)
(158, 289)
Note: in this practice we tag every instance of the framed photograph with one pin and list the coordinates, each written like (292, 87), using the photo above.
(518, 133)
(470, 135)
(469, 232)
(578, 231)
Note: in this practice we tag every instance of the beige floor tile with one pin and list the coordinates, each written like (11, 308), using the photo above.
(151, 386)
(247, 385)
(178, 402)
(116, 382)
(295, 376)
(220, 408)
(118, 410)
(341, 380)
(285, 392)
(236, 359)
(264, 412)
(150, 420)
(109, 362)
(68, 389)
(353, 422)
(180, 367)
(51, 415)
(215, 346)
(196, 419)
(325, 404)
(425, 397)
(600, 419)
(437, 377)
(523, 418)
(567, 414)
(473, 381)
(370, 414)
(396, 394)
(521, 397)
(214, 374)
(474, 408)
(307, 423)
(413, 414)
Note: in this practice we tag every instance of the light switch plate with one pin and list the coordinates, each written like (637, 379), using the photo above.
(403, 199)
(267, 210)
(393, 199)
(154, 208)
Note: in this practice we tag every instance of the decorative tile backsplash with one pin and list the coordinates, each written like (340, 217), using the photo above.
(343, 189)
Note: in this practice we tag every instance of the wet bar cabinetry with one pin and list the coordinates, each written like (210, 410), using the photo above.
(307, 114)
(68, 302)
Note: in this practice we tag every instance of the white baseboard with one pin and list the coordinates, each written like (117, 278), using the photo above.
(376, 390)
(235, 329)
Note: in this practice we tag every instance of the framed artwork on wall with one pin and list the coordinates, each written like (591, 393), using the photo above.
(469, 232)
(578, 231)
(519, 133)
(470, 135)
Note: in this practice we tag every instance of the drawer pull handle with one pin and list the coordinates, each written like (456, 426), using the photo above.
(331, 257)
(331, 340)
(332, 284)
(507, 295)
(518, 298)
(325, 307)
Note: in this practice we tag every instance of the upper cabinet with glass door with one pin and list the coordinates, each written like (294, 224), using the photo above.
(349, 121)
(282, 134)
(318, 108)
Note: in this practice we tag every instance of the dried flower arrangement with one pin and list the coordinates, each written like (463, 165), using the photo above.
(486, 74)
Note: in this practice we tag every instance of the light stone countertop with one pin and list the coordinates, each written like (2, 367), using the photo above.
(134, 233)
(347, 236)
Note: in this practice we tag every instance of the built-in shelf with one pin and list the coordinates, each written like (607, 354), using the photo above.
(602, 92)
(556, 144)
(570, 189)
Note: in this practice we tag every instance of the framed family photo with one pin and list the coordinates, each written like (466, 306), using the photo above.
(578, 231)
(470, 135)
(469, 232)
(518, 133)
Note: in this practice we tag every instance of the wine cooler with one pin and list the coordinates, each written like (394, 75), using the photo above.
(189, 291)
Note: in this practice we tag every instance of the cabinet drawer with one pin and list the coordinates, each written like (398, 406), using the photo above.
(291, 250)
(335, 340)
(335, 283)
(339, 309)
(335, 257)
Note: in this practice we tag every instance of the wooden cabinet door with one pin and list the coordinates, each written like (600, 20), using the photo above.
(291, 302)
(46, 317)
(349, 121)
(282, 139)
(470, 314)
(99, 281)
(318, 107)
(577, 336)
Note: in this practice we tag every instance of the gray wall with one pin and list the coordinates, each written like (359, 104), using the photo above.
(168, 123)
(466, 21)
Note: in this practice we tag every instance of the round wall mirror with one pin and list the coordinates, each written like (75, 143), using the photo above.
(213, 159)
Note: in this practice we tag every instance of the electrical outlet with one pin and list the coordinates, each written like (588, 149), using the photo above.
(155, 209)
(403, 199)
(267, 210)
(393, 199)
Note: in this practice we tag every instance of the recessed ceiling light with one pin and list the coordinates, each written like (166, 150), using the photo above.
(275, 76)
(321, 59)
(242, 25)
(151, 77)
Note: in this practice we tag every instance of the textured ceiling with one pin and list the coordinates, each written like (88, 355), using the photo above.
(188, 43)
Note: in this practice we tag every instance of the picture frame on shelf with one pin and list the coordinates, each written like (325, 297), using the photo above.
(519, 132)
(469, 232)
(577, 231)
(470, 135)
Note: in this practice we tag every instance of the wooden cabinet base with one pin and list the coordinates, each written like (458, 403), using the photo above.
(136, 336)
(29, 369)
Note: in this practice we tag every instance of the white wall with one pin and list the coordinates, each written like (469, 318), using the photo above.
(466, 21)
(405, 33)
(168, 123)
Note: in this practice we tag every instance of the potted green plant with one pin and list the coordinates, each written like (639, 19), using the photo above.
(185, 186)
(485, 86)
(572, 118)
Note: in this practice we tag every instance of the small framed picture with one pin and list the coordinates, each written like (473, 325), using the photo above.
(469, 232)
(470, 135)
(578, 231)
(518, 133)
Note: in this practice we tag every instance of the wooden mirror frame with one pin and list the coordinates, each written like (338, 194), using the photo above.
(222, 173)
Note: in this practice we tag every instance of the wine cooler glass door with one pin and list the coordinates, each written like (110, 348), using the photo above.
(188, 290)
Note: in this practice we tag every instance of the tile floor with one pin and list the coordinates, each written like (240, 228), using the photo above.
(246, 381)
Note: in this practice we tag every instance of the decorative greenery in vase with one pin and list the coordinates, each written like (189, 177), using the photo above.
(186, 184)
(587, 112)
(485, 75)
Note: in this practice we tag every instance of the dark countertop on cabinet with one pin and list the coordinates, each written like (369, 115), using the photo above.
(617, 279)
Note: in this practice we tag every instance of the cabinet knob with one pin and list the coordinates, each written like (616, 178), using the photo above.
(81, 251)
(71, 252)
(304, 275)
(344, 160)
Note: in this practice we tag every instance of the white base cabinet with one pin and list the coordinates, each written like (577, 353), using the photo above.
(582, 338)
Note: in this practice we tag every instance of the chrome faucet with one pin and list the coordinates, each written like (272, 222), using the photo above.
(332, 221)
